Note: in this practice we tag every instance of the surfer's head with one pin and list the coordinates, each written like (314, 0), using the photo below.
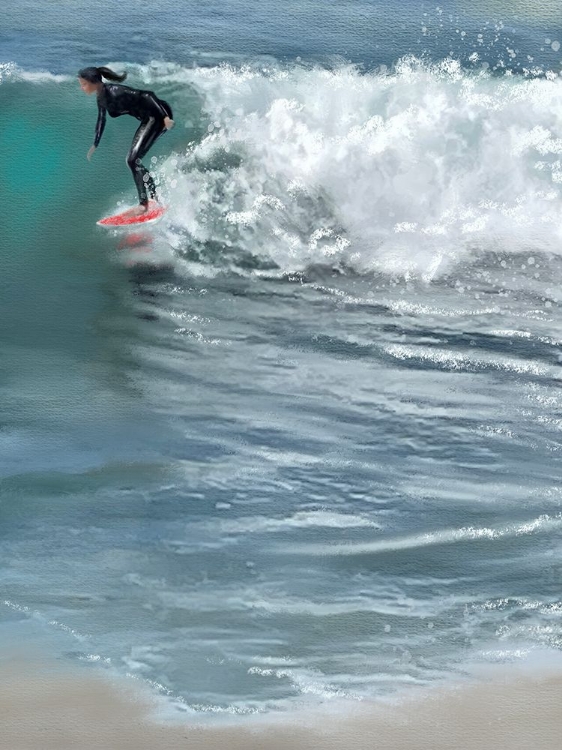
(91, 78)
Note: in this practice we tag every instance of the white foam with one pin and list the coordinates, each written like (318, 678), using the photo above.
(11, 72)
(463, 361)
(301, 520)
(408, 173)
(443, 536)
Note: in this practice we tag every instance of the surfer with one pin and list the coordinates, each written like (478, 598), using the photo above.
(155, 117)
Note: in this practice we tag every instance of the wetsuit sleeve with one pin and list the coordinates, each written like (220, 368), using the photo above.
(154, 104)
(100, 124)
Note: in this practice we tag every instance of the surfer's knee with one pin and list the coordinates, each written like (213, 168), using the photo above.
(133, 161)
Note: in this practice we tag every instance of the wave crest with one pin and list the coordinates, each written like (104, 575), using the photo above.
(405, 173)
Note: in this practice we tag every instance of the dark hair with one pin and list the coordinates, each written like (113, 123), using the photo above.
(94, 75)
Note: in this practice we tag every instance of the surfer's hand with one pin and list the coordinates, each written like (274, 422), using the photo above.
(90, 153)
(168, 123)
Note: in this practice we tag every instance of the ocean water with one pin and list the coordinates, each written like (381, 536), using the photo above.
(299, 443)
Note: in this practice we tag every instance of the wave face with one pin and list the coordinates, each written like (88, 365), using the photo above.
(410, 173)
(300, 441)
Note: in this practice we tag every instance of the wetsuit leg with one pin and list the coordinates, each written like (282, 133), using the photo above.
(147, 133)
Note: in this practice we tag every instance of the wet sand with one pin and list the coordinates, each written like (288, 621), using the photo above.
(43, 709)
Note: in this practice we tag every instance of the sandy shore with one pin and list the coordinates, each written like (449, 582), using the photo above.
(42, 709)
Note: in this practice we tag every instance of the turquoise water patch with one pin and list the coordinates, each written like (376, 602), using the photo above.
(34, 171)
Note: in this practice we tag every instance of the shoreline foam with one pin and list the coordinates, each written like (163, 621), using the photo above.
(43, 708)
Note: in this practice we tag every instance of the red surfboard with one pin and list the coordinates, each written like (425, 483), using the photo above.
(130, 218)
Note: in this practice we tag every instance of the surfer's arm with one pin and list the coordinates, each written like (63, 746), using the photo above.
(100, 125)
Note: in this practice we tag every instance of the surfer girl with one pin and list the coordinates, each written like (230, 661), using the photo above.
(154, 114)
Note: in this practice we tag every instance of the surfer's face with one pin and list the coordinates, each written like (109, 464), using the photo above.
(87, 86)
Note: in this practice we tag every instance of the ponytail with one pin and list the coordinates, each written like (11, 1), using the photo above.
(111, 75)
(94, 75)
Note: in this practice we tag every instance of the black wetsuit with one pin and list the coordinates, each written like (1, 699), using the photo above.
(117, 100)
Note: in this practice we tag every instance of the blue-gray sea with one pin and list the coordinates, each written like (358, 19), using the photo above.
(299, 441)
